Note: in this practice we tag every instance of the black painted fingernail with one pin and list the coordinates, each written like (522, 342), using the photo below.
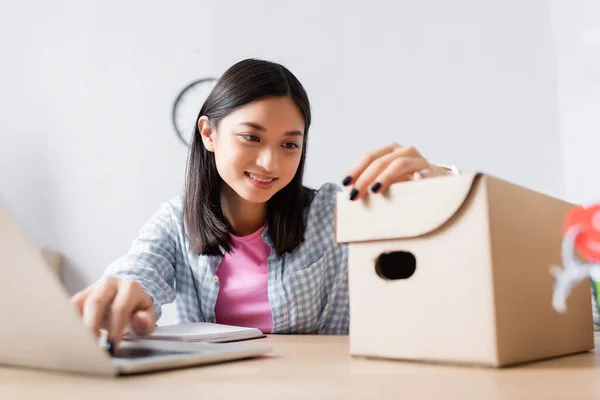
(110, 347)
(347, 180)
(376, 187)
(353, 194)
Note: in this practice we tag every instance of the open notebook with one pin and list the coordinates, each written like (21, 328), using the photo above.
(202, 332)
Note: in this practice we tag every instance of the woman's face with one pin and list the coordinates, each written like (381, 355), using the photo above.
(257, 147)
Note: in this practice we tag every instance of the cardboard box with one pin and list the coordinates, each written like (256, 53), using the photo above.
(53, 259)
(479, 250)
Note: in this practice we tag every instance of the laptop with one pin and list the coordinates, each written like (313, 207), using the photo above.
(40, 328)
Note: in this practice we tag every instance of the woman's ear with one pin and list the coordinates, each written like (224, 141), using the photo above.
(207, 133)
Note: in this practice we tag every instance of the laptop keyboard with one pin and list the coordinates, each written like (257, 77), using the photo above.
(140, 352)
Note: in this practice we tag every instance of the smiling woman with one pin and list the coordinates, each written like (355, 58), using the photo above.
(251, 125)
(247, 244)
(261, 144)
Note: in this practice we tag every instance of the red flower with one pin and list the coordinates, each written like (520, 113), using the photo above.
(587, 243)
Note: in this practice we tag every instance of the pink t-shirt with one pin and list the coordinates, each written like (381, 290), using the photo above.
(243, 298)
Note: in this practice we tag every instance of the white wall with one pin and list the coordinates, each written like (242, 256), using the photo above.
(470, 82)
(576, 27)
(87, 145)
(87, 148)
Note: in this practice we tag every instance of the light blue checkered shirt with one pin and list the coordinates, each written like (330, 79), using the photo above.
(308, 287)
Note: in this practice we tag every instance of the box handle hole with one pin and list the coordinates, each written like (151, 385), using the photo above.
(395, 265)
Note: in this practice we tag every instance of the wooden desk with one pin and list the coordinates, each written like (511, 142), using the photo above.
(314, 367)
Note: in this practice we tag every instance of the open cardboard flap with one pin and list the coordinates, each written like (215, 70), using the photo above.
(405, 210)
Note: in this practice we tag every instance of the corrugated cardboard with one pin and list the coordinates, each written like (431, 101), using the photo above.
(481, 291)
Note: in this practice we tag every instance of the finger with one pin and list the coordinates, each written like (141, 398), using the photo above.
(97, 302)
(425, 173)
(78, 298)
(408, 151)
(366, 160)
(367, 177)
(143, 322)
(130, 298)
(400, 170)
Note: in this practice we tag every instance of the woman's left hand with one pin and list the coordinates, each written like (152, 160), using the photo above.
(378, 169)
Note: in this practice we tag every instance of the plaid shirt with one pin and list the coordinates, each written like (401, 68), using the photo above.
(308, 287)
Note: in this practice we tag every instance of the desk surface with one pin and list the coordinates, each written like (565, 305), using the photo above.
(320, 367)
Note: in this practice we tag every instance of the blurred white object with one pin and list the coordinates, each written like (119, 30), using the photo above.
(574, 271)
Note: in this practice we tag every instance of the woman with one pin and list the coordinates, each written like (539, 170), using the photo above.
(247, 244)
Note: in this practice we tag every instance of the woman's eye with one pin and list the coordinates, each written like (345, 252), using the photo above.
(251, 138)
(291, 146)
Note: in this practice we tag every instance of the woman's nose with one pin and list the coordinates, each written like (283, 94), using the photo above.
(267, 160)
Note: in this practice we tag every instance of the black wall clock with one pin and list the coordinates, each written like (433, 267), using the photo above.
(186, 107)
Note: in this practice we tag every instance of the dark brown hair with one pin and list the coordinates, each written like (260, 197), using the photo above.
(207, 230)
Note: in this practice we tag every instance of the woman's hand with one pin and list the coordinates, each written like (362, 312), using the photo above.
(116, 304)
(379, 169)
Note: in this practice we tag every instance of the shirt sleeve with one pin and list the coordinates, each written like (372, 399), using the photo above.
(151, 258)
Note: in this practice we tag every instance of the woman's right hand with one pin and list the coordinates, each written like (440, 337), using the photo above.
(115, 304)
